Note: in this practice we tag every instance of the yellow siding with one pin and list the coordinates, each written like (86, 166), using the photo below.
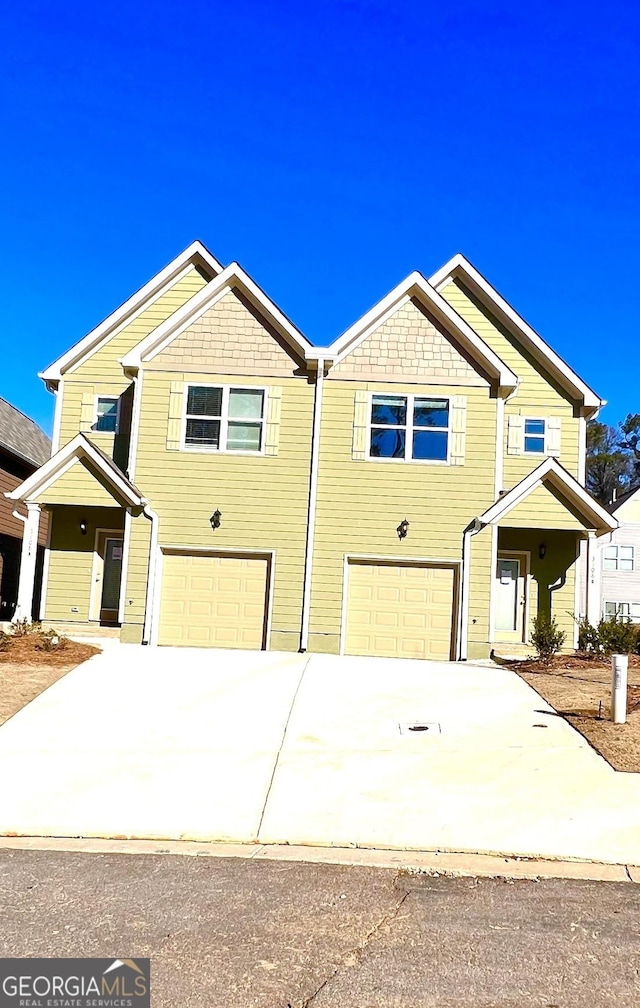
(629, 511)
(479, 595)
(81, 484)
(263, 499)
(71, 560)
(101, 374)
(538, 394)
(543, 509)
(361, 503)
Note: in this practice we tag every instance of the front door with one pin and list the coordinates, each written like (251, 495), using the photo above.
(111, 576)
(510, 598)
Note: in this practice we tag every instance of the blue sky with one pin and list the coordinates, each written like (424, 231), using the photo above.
(330, 148)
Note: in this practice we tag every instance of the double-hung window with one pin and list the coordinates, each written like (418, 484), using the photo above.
(534, 436)
(624, 610)
(618, 558)
(106, 419)
(221, 418)
(409, 427)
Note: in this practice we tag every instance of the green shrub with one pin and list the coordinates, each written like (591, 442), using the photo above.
(547, 638)
(24, 627)
(51, 641)
(617, 635)
(588, 637)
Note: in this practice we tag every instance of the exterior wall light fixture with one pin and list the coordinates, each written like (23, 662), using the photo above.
(215, 519)
(542, 550)
(82, 525)
(403, 529)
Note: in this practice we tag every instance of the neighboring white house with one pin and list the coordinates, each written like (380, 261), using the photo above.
(614, 572)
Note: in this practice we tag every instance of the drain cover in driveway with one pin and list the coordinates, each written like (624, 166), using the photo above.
(419, 727)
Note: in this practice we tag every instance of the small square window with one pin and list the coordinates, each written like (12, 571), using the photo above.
(106, 415)
(618, 558)
(534, 436)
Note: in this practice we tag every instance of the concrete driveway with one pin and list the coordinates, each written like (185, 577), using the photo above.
(307, 749)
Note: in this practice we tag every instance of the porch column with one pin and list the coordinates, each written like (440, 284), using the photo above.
(593, 602)
(28, 562)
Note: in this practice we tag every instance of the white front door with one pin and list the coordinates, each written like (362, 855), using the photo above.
(510, 598)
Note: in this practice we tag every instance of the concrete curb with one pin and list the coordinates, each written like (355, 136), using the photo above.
(418, 862)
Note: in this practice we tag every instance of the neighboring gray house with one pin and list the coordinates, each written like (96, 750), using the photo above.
(23, 449)
(620, 560)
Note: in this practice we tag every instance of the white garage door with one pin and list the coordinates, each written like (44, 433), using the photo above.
(400, 610)
(213, 601)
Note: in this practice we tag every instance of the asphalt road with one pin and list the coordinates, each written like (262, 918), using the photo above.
(232, 933)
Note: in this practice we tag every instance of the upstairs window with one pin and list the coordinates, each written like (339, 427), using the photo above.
(106, 421)
(618, 558)
(409, 427)
(534, 436)
(220, 418)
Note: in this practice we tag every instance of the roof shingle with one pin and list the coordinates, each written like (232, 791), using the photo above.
(22, 436)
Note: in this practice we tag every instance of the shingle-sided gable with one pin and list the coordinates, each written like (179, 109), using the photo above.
(230, 337)
(409, 346)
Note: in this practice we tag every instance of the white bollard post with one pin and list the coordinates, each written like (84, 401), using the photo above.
(619, 667)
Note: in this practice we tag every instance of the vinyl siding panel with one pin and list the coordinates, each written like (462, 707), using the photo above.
(79, 485)
(263, 499)
(543, 509)
(71, 560)
(622, 586)
(538, 394)
(361, 503)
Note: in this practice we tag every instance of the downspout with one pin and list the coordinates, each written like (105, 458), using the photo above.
(463, 625)
(313, 503)
(149, 513)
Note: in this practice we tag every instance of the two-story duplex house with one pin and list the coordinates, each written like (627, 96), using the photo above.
(614, 571)
(415, 489)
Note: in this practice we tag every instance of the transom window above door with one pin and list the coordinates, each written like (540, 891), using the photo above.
(618, 558)
(221, 418)
(409, 427)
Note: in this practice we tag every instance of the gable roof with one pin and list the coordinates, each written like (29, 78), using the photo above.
(73, 452)
(594, 514)
(622, 499)
(195, 255)
(21, 436)
(416, 286)
(460, 268)
(231, 277)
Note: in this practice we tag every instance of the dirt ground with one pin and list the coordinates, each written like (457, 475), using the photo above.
(25, 671)
(579, 688)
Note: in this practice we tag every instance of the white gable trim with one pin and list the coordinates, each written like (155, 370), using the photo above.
(196, 254)
(231, 277)
(595, 515)
(458, 266)
(67, 457)
(415, 286)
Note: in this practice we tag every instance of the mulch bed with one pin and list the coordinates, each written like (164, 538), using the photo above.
(26, 671)
(578, 687)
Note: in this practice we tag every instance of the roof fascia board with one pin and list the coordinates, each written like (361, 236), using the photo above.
(195, 254)
(63, 460)
(415, 285)
(458, 266)
(195, 307)
(562, 481)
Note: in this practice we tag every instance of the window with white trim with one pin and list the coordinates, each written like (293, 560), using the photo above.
(106, 419)
(535, 431)
(625, 610)
(221, 418)
(409, 427)
(617, 558)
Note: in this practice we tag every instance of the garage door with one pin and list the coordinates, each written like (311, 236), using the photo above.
(213, 601)
(400, 611)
